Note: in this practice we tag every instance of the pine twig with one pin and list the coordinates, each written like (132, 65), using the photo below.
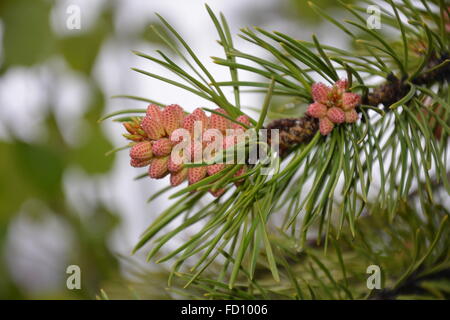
(295, 131)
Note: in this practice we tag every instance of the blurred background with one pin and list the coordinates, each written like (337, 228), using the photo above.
(62, 201)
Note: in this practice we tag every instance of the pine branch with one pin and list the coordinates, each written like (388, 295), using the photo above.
(438, 70)
(296, 131)
(328, 181)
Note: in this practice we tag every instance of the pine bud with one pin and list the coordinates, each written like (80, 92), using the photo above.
(201, 116)
(320, 92)
(136, 163)
(317, 110)
(177, 178)
(243, 119)
(196, 174)
(218, 122)
(342, 84)
(133, 127)
(141, 151)
(325, 126)
(172, 166)
(129, 127)
(333, 105)
(350, 100)
(189, 122)
(336, 115)
(351, 116)
(154, 112)
(162, 147)
(155, 148)
(172, 118)
(153, 128)
(133, 137)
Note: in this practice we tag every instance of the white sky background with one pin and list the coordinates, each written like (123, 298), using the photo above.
(22, 96)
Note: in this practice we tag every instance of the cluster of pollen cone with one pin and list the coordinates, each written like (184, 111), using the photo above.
(154, 140)
(333, 105)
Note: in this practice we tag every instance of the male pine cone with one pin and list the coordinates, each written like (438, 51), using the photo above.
(296, 131)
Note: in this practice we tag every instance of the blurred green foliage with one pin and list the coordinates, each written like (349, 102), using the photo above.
(28, 38)
(301, 8)
(80, 50)
(35, 171)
